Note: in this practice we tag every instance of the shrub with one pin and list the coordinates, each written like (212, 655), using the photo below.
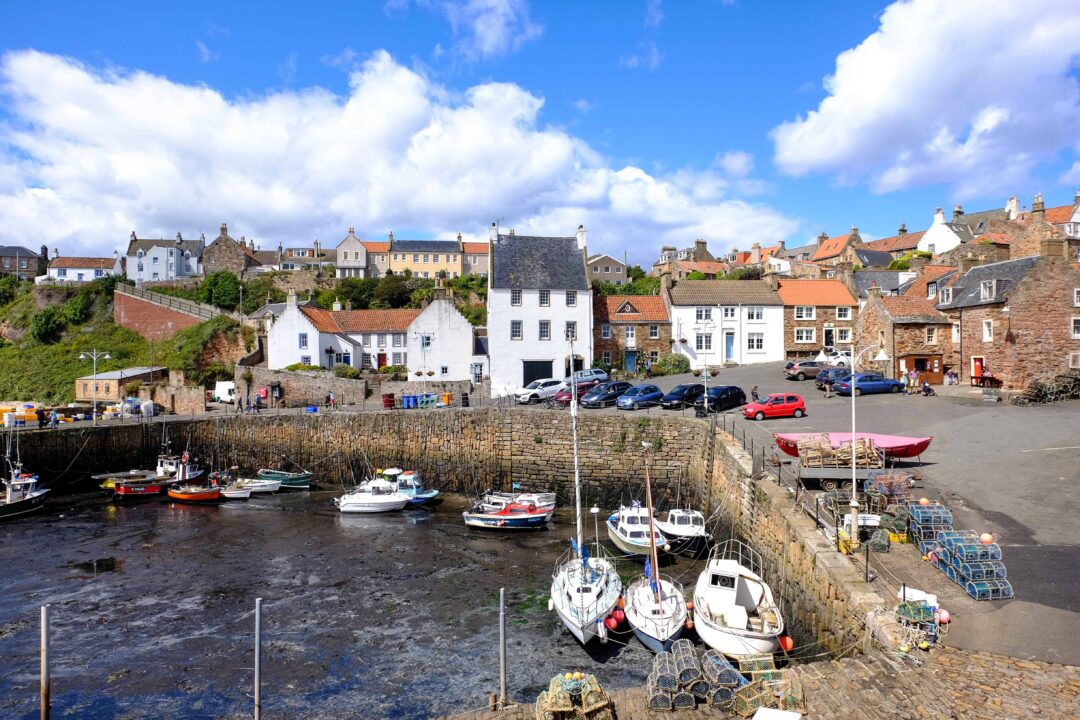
(391, 369)
(302, 366)
(346, 371)
(131, 389)
(46, 326)
(673, 364)
(77, 309)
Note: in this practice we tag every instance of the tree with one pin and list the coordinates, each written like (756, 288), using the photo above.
(393, 291)
(695, 275)
(47, 325)
(635, 272)
(221, 289)
(358, 291)
(258, 291)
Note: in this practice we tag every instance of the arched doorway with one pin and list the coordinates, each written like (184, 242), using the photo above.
(579, 364)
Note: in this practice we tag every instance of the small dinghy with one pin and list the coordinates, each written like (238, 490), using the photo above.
(894, 446)
(194, 494)
(734, 611)
(258, 485)
(514, 516)
(629, 530)
(288, 480)
(493, 501)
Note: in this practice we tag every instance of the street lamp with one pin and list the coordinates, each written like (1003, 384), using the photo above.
(705, 331)
(94, 355)
(882, 356)
(425, 340)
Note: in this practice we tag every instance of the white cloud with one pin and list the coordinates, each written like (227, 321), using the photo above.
(287, 69)
(735, 163)
(974, 93)
(206, 55)
(484, 29)
(654, 13)
(647, 56)
(584, 106)
(87, 156)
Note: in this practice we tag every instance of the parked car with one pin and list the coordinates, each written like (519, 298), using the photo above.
(582, 384)
(604, 394)
(537, 390)
(805, 369)
(682, 396)
(840, 358)
(639, 396)
(592, 375)
(868, 383)
(721, 398)
(833, 373)
(775, 406)
(563, 396)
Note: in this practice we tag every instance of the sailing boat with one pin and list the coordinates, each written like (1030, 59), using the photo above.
(584, 589)
(655, 605)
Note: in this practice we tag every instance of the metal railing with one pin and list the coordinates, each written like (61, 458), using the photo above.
(187, 307)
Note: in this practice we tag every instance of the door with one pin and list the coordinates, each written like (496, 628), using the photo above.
(729, 345)
(630, 361)
(382, 359)
(828, 337)
(976, 367)
(534, 370)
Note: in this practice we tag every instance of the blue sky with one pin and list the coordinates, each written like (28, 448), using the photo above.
(651, 122)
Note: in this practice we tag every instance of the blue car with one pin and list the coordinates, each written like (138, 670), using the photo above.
(867, 383)
(639, 396)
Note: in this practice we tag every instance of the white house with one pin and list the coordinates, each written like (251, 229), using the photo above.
(538, 291)
(81, 269)
(351, 257)
(442, 341)
(964, 227)
(725, 321)
(158, 260)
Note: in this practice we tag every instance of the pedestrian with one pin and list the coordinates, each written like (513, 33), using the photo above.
(258, 403)
(903, 383)
(248, 410)
(40, 418)
(913, 382)
(329, 396)
(239, 407)
(648, 368)
(827, 382)
(754, 394)
(54, 419)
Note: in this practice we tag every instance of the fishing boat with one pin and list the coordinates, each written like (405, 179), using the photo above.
(655, 604)
(584, 590)
(492, 501)
(685, 531)
(629, 530)
(109, 481)
(178, 466)
(21, 492)
(410, 483)
(198, 494)
(288, 480)
(257, 485)
(734, 611)
(374, 496)
(145, 486)
(514, 516)
(232, 491)
(894, 446)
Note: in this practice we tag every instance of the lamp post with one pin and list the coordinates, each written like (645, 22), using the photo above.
(882, 356)
(705, 330)
(425, 340)
(94, 356)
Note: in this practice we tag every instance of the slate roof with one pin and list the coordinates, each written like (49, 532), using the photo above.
(964, 231)
(967, 289)
(474, 248)
(815, 292)
(807, 250)
(360, 321)
(831, 247)
(126, 373)
(83, 262)
(872, 258)
(13, 250)
(887, 280)
(433, 246)
(650, 308)
(724, 292)
(896, 243)
(267, 257)
(275, 309)
(977, 221)
(912, 310)
(530, 262)
(195, 247)
(930, 273)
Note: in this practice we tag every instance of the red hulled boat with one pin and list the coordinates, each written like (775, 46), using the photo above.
(894, 446)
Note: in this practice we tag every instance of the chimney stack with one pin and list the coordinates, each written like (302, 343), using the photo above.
(224, 229)
(916, 264)
(903, 229)
(939, 217)
(957, 213)
(511, 233)
(1038, 210)
(290, 300)
(967, 262)
(1013, 208)
(755, 253)
(1053, 245)
(391, 236)
(133, 235)
(337, 305)
(665, 281)
(701, 250)
(493, 233)
(821, 239)
(774, 281)
(780, 247)
(582, 236)
(873, 293)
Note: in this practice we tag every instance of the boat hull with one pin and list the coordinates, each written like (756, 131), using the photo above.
(261, 486)
(236, 494)
(655, 644)
(209, 495)
(422, 498)
(498, 522)
(134, 491)
(289, 481)
(624, 544)
(734, 643)
(363, 506)
(22, 507)
(894, 446)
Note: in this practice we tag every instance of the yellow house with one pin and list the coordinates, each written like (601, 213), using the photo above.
(425, 258)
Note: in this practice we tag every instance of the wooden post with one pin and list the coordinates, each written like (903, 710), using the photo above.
(258, 658)
(502, 647)
(46, 684)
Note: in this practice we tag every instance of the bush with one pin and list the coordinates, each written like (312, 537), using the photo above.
(47, 326)
(302, 366)
(77, 309)
(10, 287)
(346, 371)
(131, 389)
(673, 364)
(391, 369)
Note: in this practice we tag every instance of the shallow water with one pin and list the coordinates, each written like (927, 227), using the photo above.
(392, 615)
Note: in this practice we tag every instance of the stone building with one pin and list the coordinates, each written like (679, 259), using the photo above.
(22, 263)
(111, 384)
(900, 244)
(911, 330)
(605, 268)
(835, 250)
(817, 314)
(227, 254)
(378, 257)
(1018, 320)
(670, 256)
(630, 329)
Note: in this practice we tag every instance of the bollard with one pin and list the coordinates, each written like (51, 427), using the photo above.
(502, 647)
(46, 684)
(258, 658)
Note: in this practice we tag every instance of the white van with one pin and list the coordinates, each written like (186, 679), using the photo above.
(224, 391)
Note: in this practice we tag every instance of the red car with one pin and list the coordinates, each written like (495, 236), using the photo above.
(774, 406)
(563, 396)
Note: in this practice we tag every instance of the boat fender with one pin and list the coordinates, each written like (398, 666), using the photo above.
(551, 604)
(532, 508)
(501, 523)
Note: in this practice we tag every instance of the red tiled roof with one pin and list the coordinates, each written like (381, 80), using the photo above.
(650, 308)
(376, 246)
(907, 241)
(475, 248)
(917, 289)
(998, 238)
(360, 321)
(831, 247)
(906, 306)
(741, 257)
(1060, 214)
(815, 292)
(768, 252)
(83, 262)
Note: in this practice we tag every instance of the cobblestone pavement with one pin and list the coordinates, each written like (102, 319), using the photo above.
(944, 684)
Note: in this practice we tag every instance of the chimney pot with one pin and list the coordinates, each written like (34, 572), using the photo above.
(1038, 210)
(224, 229)
(822, 238)
(903, 229)
(581, 237)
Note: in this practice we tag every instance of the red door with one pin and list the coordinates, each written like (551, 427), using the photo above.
(382, 359)
(976, 367)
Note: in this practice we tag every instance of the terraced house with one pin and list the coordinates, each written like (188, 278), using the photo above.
(817, 314)
(629, 330)
(425, 258)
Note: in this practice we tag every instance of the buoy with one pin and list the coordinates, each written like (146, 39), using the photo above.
(578, 676)
(689, 624)
(925, 557)
(944, 617)
(619, 615)
(986, 538)
(621, 602)
(611, 623)
(932, 557)
(690, 605)
(905, 648)
(667, 547)
(924, 502)
(924, 645)
(786, 643)
(551, 604)
(569, 676)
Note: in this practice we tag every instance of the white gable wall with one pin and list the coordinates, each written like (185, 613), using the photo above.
(451, 342)
(684, 324)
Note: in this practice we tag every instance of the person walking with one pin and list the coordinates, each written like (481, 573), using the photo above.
(904, 383)
(913, 382)
(648, 368)
(54, 419)
(40, 412)
(754, 394)
(827, 382)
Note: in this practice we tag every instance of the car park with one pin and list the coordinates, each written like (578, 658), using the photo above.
(538, 390)
(805, 369)
(832, 373)
(776, 406)
(721, 398)
(682, 396)
(868, 383)
(604, 394)
(639, 396)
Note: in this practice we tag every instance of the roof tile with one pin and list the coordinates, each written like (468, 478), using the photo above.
(930, 273)
(831, 247)
(815, 292)
(360, 321)
(650, 308)
(724, 292)
(475, 248)
(83, 262)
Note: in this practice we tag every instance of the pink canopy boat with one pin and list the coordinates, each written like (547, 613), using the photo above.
(894, 446)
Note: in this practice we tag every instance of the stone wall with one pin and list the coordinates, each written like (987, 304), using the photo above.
(644, 345)
(411, 387)
(179, 399)
(151, 321)
(824, 317)
(301, 387)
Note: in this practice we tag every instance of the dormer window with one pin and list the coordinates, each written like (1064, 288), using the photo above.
(931, 290)
(986, 290)
(946, 295)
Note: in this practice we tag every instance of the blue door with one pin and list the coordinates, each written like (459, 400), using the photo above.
(729, 346)
(630, 363)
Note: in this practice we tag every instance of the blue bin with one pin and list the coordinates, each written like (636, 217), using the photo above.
(408, 401)
(312, 409)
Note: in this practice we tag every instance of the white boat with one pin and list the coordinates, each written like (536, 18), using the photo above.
(685, 530)
(495, 501)
(373, 496)
(655, 604)
(734, 611)
(21, 492)
(258, 485)
(233, 491)
(409, 482)
(584, 590)
(629, 530)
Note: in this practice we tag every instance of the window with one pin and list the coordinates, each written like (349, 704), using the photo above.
(754, 313)
(843, 336)
(805, 312)
(303, 341)
(931, 336)
(425, 273)
(805, 335)
(704, 313)
(396, 358)
(605, 331)
(425, 342)
(596, 269)
(571, 330)
(654, 332)
(155, 276)
(607, 268)
(381, 339)
(956, 332)
(515, 329)
(1076, 328)
(571, 298)
(61, 273)
(99, 273)
(988, 330)
(435, 258)
(618, 269)
(1076, 297)
(631, 332)
(843, 313)
(305, 359)
(366, 340)
(444, 370)
(427, 258)
(946, 295)
(931, 290)
(986, 290)
(654, 356)
(755, 342)
(396, 340)
(545, 298)
(140, 266)
(605, 357)
(416, 257)
(729, 312)
(703, 342)
(515, 297)
(1074, 360)
(930, 248)
(545, 329)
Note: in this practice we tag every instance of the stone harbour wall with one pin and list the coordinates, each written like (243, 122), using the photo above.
(300, 387)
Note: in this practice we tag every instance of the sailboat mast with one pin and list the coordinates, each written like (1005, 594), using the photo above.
(652, 536)
(577, 471)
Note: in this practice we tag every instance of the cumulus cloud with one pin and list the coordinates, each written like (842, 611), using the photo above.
(973, 93)
(87, 156)
(654, 13)
(735, 163)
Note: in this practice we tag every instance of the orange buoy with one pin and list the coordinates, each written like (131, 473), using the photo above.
(619, 615)
(689, 624)
(611, 623)
(690, 605)
(924, 502)
(986, 538)
(786, 643)
(621, 603)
